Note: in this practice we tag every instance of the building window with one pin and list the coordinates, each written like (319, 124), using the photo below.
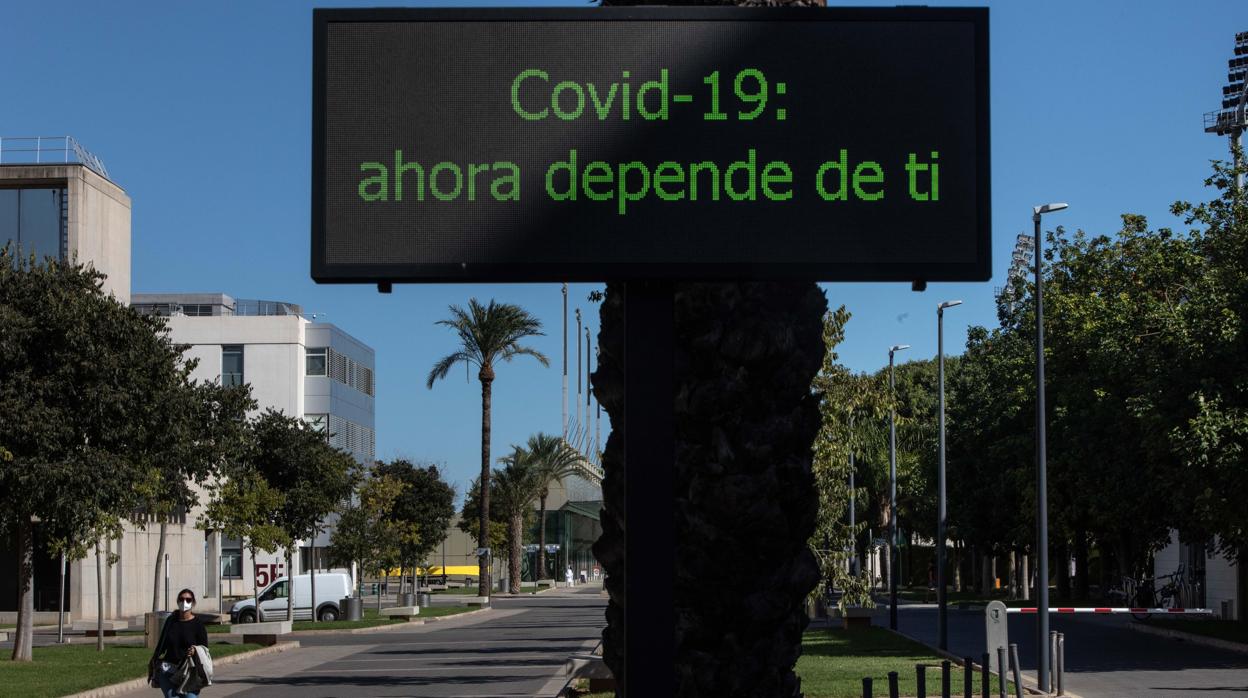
(35, 221)
(232, 364)
(231, 558)
(316, 361)
(318, 422)
(197, 310)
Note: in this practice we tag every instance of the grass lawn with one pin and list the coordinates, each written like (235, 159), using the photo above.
(1219, 629)
(58, 671)
(834, 662)
(460, 591)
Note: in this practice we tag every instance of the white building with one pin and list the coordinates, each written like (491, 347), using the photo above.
(303, 368)
(1221, 585)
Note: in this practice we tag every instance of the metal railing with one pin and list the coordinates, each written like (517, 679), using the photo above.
(37, 150)
(258, 307)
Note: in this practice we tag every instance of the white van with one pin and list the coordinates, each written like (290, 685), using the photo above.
(331, 587)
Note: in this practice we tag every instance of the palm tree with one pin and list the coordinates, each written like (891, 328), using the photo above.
(487, 334)
(553, 460)
(515, 486)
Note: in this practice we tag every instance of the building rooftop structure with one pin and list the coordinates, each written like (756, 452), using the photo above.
(48, 150)
(209, 304)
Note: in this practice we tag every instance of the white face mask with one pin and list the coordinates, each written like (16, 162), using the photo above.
(185, 605)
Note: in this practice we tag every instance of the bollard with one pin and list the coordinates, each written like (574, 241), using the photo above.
(945, 679)
(866, 688)
(1003, 664)
(968, 677)
(985, 677)
(1052, 656)
(1018, 679)
(920, 671)
(1061, 663)
(893, 690)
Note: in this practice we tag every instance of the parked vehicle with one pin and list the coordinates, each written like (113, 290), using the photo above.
(331, 587)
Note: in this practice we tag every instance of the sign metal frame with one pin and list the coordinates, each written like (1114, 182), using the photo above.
(911, 271)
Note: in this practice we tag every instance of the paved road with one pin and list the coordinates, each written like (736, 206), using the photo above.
(518, 649)
(1104, 658)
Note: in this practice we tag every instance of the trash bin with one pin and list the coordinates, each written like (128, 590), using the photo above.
(407, 598)
(152, 625)
(352, 608)
(422, 599)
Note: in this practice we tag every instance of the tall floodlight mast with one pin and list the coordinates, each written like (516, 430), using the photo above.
(1232, 118)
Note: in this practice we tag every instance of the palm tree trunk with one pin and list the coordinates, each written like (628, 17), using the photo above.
(22, 643)
(99, 598)
(160, 560)
(745, 421)
(483, 566)
(517, 528)
(541, 539)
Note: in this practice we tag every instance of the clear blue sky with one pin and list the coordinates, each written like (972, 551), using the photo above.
(202, 113)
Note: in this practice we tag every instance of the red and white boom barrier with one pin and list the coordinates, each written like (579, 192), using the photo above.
(1171, 611)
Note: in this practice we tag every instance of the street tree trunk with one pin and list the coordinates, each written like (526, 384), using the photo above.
(99, 597)
(22, 642)
(541, 537)
(1063, 569)
(312, 572)
(1081, 565)
(290, 584)
(484, 583)
(513, 572)
(160, 560)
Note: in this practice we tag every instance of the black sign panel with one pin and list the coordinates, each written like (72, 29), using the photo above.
(632, 143)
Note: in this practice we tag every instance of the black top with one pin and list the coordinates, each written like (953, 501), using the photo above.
(181, 635)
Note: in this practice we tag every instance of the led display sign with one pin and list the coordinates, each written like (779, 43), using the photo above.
(658, 142)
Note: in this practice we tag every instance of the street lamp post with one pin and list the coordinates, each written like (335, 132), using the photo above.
(893, 558)
(942, 617)
(1042, 504)
(853, 525)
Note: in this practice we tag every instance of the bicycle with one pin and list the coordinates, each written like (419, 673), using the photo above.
(1144, 592)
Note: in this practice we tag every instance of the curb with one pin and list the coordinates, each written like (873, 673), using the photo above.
(1193, 638)
(138, 684)
(389, 627)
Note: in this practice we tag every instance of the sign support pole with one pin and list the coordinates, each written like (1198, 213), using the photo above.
(650, 458)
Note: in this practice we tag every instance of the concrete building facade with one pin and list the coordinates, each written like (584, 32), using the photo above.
(71, 212)
(69, 209)
(302, 368)
(1220, 584)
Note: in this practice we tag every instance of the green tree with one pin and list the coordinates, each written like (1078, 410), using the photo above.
(553, 460)
(851, 408)
(245, 506)
(515, 487)
(366, 535)
(469, 515)
(77, 367)
(424, 510)
(313, 477)
(195, 427)
(487, 334)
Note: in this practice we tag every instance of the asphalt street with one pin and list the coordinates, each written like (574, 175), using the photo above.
(1104, 658)
(517, 649)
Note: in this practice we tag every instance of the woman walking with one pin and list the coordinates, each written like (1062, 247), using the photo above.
(182, 632)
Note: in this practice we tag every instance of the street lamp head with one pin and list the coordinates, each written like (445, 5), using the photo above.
(1047, 208)
(949, 304)
(898, 347)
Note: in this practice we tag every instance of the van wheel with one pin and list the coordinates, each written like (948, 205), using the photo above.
(329, 613)
(247, 617)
